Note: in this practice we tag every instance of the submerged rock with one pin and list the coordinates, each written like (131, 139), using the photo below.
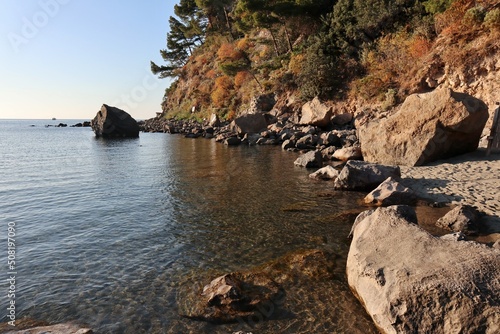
(412, 282)
(232, 296)
(111, 122)
(255, 294)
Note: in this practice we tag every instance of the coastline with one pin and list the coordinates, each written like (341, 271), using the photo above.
(466, 179)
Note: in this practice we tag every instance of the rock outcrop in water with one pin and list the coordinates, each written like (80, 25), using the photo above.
(111, 122)
(412, 282)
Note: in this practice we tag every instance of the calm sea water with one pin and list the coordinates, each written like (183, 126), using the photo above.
(107, 232)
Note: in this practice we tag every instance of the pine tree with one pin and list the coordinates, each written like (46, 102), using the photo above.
(186, 33)
(217, 11)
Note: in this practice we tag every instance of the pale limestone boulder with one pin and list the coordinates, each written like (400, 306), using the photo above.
(348, 153)
(390, 192)
(316, 113)
(360, 175)
(412, 282)
(325, 173)
(428, 127)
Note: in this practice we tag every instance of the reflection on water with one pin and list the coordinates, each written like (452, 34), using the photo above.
(110, 230)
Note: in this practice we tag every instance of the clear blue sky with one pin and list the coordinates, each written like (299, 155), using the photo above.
(65, 58)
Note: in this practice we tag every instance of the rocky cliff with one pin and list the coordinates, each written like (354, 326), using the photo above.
(456, 48)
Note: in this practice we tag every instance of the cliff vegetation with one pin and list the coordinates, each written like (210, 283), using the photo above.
(352, 53)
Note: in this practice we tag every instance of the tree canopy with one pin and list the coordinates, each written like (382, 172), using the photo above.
(187, 32)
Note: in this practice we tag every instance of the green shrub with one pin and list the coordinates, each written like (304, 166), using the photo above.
(390, 99)
(436, 6)
(492, 19)
(474, 16)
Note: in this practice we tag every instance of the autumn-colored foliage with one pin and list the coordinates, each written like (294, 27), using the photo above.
(373, 50)
(211, 74)
(242, 77)
(231, 115)
(419, 47)
(224, 82)
(228, 51)
(244, 44)
(296, 63)
(222, 92)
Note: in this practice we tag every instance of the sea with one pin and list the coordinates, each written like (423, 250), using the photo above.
(107, 233)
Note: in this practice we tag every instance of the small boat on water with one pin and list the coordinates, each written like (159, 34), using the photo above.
(53, 118)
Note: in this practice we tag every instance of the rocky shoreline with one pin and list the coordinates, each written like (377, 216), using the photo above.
(395, 307)
(407, 276)
(335, 140)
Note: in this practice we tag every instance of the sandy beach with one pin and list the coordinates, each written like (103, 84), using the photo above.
(472, 179)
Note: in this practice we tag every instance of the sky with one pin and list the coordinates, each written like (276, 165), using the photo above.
(65, 58)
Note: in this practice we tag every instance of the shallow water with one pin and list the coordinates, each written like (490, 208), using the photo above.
(109, 231)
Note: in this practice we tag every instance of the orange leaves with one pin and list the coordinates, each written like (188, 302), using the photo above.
(241, 78)
(228, 51)
(222, 91)
(419, 47)
(224, 82)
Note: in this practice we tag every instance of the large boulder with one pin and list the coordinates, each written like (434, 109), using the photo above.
(111, 122)
(360, 175)
(412, 282)
(249, 123)
(428, 127)
(316, 113)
